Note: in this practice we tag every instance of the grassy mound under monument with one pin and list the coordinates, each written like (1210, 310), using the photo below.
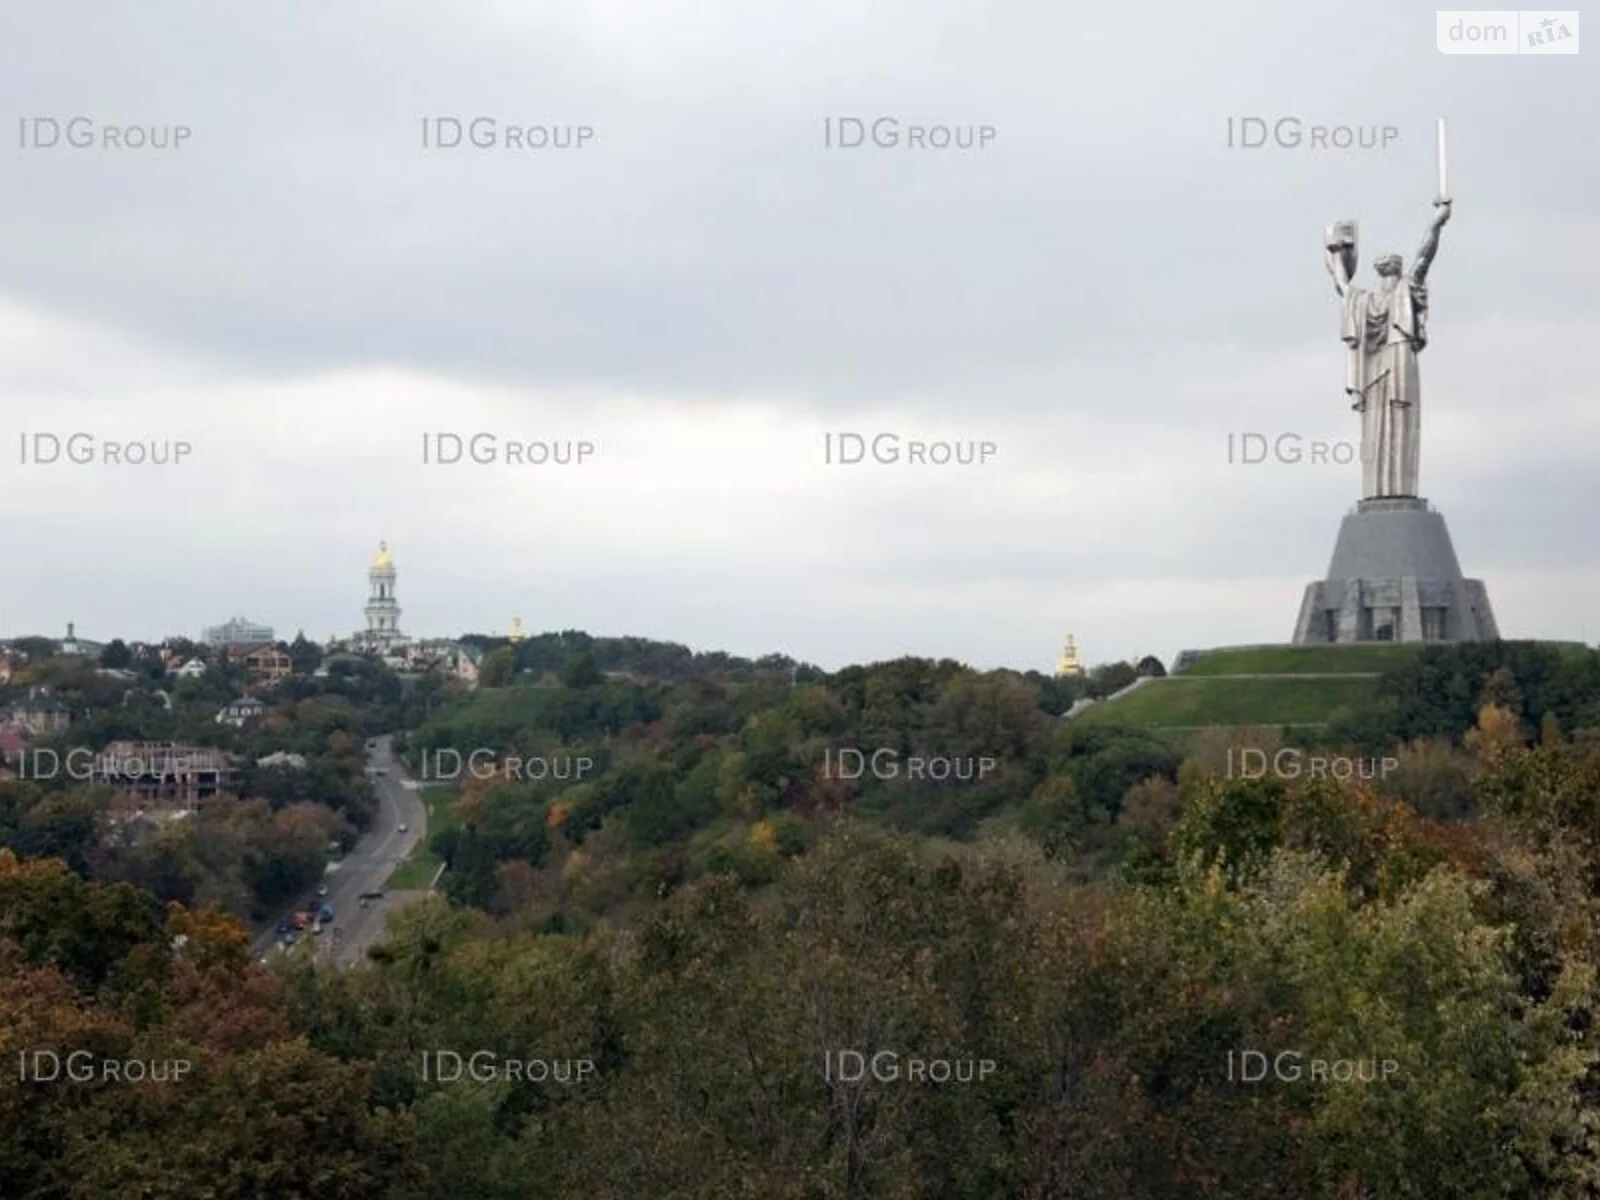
(1259, 685)
(1359, 659)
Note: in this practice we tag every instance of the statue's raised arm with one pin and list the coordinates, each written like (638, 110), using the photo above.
(1430, 242)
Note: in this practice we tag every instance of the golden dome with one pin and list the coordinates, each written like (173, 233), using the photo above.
(381, 558)
(1069, 664)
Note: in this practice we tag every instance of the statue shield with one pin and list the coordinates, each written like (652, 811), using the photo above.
(1340, 239)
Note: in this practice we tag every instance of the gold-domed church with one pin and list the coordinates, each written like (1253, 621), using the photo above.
(1069, 667)
(383, 609)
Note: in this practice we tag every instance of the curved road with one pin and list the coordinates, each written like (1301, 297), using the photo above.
(368, 865)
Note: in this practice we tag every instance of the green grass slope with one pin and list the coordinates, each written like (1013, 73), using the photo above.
(418, 870)
(1303, 660)
(1182, 702)
(1257, 685)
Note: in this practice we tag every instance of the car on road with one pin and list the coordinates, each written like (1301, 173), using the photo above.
(404, 828)
(323, 890)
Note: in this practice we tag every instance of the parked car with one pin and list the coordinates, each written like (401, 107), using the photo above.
(323, 890)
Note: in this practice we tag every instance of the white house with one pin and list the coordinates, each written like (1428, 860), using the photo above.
(237, 712)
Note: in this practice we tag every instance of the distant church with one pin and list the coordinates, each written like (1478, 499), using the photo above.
(1069, 667)
(382, 633)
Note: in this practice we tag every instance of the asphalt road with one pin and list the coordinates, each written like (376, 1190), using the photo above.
(367, 867)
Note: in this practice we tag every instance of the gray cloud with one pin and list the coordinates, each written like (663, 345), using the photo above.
(1108, 287)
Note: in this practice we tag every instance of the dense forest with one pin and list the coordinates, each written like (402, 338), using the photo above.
(748, 952)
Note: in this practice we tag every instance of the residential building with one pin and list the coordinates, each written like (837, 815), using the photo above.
(12, 747)
(337, 658)
(193, 669)
(465, 666)
(282, 758)
(238, 630)
(40, 713)
(238, 712)
(130, 829)
(166, 772)
(266, 665)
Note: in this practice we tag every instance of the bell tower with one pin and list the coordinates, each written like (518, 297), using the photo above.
(383, 610)
(1069, 666)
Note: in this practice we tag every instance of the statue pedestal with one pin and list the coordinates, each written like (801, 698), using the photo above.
(1394, 578)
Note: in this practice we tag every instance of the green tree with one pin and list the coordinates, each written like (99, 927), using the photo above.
(581, 672)
(116, 655)
(496, 669)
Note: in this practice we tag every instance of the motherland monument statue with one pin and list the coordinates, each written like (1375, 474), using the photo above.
(1394, 574)
(1384, 330)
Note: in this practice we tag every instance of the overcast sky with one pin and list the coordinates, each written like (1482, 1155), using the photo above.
(703, 290)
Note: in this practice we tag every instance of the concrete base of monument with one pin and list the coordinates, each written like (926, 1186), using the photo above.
(1394, 578)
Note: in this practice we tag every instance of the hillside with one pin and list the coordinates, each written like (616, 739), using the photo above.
(1304, 686)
